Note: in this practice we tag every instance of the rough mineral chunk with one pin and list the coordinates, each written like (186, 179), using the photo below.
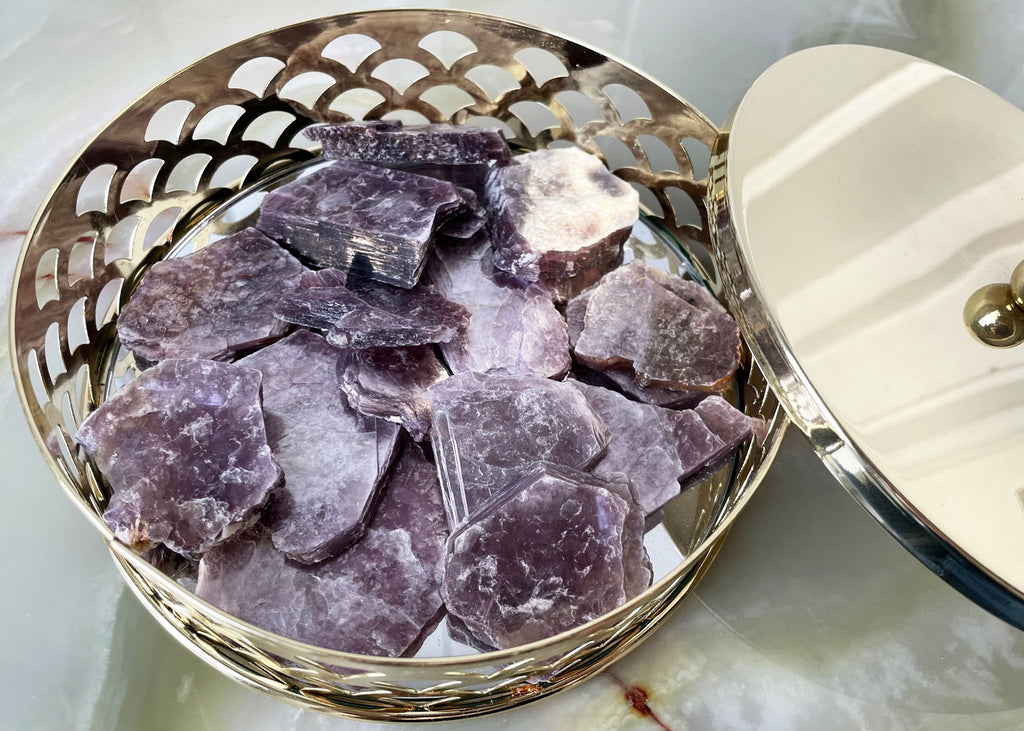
(656, 448)
(350, 215)
(389, 143)
(334, 458)
(212, 303)
(513, 327)
(730, 424)
(489, 430)
(469, 221)
(391, 383)
(623, 380)
(633, 321)
(561, 548)
(557, 213)
(381, 597)
(185, 451)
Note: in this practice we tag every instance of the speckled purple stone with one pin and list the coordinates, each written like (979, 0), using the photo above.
(391, 383)
(212, 303)
(390, 143)
(562, 547)
(489, 430)
(350, 215)
(513, 326)
(334, 458)
(185, 451)
(381, 597)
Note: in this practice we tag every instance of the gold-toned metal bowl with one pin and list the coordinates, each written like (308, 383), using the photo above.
(168, 168)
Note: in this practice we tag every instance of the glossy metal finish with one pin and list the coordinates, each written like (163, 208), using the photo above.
(858, 199)
(166, 170)
(993, 316)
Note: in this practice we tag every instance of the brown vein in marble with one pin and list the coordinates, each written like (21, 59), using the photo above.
(637, 696)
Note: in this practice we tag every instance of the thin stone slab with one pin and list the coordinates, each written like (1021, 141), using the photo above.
(631, 321)
(556, 213)
(730, 424)
(381, 597)
(211, 303)
(184, 449)
(334, 458)
(561, 548)
(489, 430)
(655, 448)
(623, 380)
(391, 383)
(389, 143)
(513, 327)
(469, 221)
(349, 215)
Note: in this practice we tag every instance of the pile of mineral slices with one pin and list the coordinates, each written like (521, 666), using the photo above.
(423, 384)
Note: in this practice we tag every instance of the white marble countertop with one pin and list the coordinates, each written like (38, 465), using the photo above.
(812, 616)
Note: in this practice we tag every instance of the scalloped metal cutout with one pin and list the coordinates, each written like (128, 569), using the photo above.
(535, 115)
(232, 172)
(121, 239)
(256, 75)
(659, 155)
(356, 103)
(186, 174)
(542, 65)
(580, 107)
(95, 189)
(684, 209)
(268, 127)
(447, 46)
(306, 88)
(486, 121)
(699, 157)
(35, 377)
(77, 331)
(447, 99)
(407, 116)
(80, 259)
(400, 73)
(615, 152)
(492, 81)
(107, 302)
(46, 278)
(216, 124)
(161, 227)
(168, 121)
(139, 183)
(52, 356)
(351, 49)
(627, 102)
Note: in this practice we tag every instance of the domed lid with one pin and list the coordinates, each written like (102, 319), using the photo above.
(859, 197)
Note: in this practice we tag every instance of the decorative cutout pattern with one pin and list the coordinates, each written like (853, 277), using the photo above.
(235, 118)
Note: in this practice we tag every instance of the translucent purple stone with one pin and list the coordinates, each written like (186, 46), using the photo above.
(185, 451)
(376, 221)
(513, 327)
(380, 597)
(489, 430)
(557, 214)
(632, 321)
(212, 303)
(657, 448)
(560, 548)
(391, 383)
(334, 458)
(389, 143)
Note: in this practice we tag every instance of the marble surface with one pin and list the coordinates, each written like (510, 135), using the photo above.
(812, 616)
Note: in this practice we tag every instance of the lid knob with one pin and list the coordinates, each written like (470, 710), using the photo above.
(995, 313)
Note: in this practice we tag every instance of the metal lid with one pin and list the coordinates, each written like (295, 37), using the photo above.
(858, 198)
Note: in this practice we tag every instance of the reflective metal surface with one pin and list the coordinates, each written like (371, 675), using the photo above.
(859, 198)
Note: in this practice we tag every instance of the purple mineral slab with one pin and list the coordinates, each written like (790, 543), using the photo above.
(185, 451)
(623, 380)
(391, 383)
(557, 213)
(381, 597)
(488, 430)
(212, 303)
(390, 143)
(513, 328)
(562, 547)
(350, 215)
(317, 307)
(730, 424)
(334, 458)
(655, 448)
(632, 321)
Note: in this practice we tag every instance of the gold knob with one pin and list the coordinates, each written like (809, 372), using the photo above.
(995, 313)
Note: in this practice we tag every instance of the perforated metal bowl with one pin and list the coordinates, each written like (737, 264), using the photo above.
(177, 165)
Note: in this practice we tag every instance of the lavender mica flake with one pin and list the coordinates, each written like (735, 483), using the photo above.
(185, 451)
(562, 547)
(389, 143)
(381, 597)
(334, 458)
(212, 303)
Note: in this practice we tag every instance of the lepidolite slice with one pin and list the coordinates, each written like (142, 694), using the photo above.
(334, 458)
(657, 448)
(185, 451)
(381, 597)
(559, 549)
(391, 383)
(212, 303)
(632, 321)
(513, 326)
(557, 214)
(389, 143)
(350, 215)
(489, 430)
